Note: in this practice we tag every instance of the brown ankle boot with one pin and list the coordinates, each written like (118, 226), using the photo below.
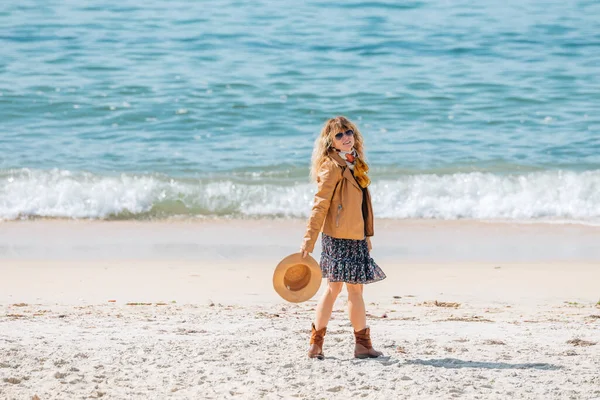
(363, 347)
(316, 343)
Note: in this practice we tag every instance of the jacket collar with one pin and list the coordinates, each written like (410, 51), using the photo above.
(334, 155)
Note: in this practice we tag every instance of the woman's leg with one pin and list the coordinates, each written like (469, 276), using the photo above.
(356, 306)
(325, 305)
(358, 318)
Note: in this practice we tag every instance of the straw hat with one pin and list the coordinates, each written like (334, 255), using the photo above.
(297, 279)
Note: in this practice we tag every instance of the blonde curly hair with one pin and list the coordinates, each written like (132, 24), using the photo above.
(324, 142)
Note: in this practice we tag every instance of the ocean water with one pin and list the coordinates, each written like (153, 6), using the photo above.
(132, 109)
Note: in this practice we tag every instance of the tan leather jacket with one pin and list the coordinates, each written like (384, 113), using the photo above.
(338, 210)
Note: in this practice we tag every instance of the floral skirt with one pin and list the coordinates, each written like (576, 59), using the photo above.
(348, 260)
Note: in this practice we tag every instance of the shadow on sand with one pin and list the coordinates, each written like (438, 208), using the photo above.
(456, 363)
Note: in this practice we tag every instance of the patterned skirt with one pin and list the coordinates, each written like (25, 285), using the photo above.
(348, 260)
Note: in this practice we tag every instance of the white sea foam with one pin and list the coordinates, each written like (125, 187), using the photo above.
(549, 195)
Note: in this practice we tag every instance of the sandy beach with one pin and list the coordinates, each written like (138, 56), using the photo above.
(185, 309)
(159, 159)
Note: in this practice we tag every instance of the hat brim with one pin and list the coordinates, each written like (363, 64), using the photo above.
(313, 278)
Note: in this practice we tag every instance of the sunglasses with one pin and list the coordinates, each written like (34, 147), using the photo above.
(340, 135)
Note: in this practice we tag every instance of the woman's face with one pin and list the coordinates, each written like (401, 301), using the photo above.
(345, 142)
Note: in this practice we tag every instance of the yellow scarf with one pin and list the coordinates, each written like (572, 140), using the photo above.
(358, 166)
(360, 173)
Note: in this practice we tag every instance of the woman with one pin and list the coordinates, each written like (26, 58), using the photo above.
(342, 211)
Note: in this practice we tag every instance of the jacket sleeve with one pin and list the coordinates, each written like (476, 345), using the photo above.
(327, 179)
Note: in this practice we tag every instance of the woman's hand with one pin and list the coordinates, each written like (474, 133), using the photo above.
(369, 246)
(303, 252)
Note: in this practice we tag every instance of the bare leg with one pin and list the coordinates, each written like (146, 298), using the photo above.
(325, 305)
(356, 306)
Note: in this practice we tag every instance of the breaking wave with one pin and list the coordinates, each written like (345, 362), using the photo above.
(539, 195)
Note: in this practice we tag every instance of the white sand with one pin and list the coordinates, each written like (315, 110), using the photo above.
(216, 329)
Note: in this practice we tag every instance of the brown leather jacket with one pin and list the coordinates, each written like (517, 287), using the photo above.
(341, 209)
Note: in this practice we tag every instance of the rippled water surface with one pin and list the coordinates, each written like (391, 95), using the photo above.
(211, 108)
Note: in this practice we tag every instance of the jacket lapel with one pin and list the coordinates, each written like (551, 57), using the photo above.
(347, 172)
(350, 177)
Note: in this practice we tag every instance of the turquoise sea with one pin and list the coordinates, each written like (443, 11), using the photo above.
(133, 110)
